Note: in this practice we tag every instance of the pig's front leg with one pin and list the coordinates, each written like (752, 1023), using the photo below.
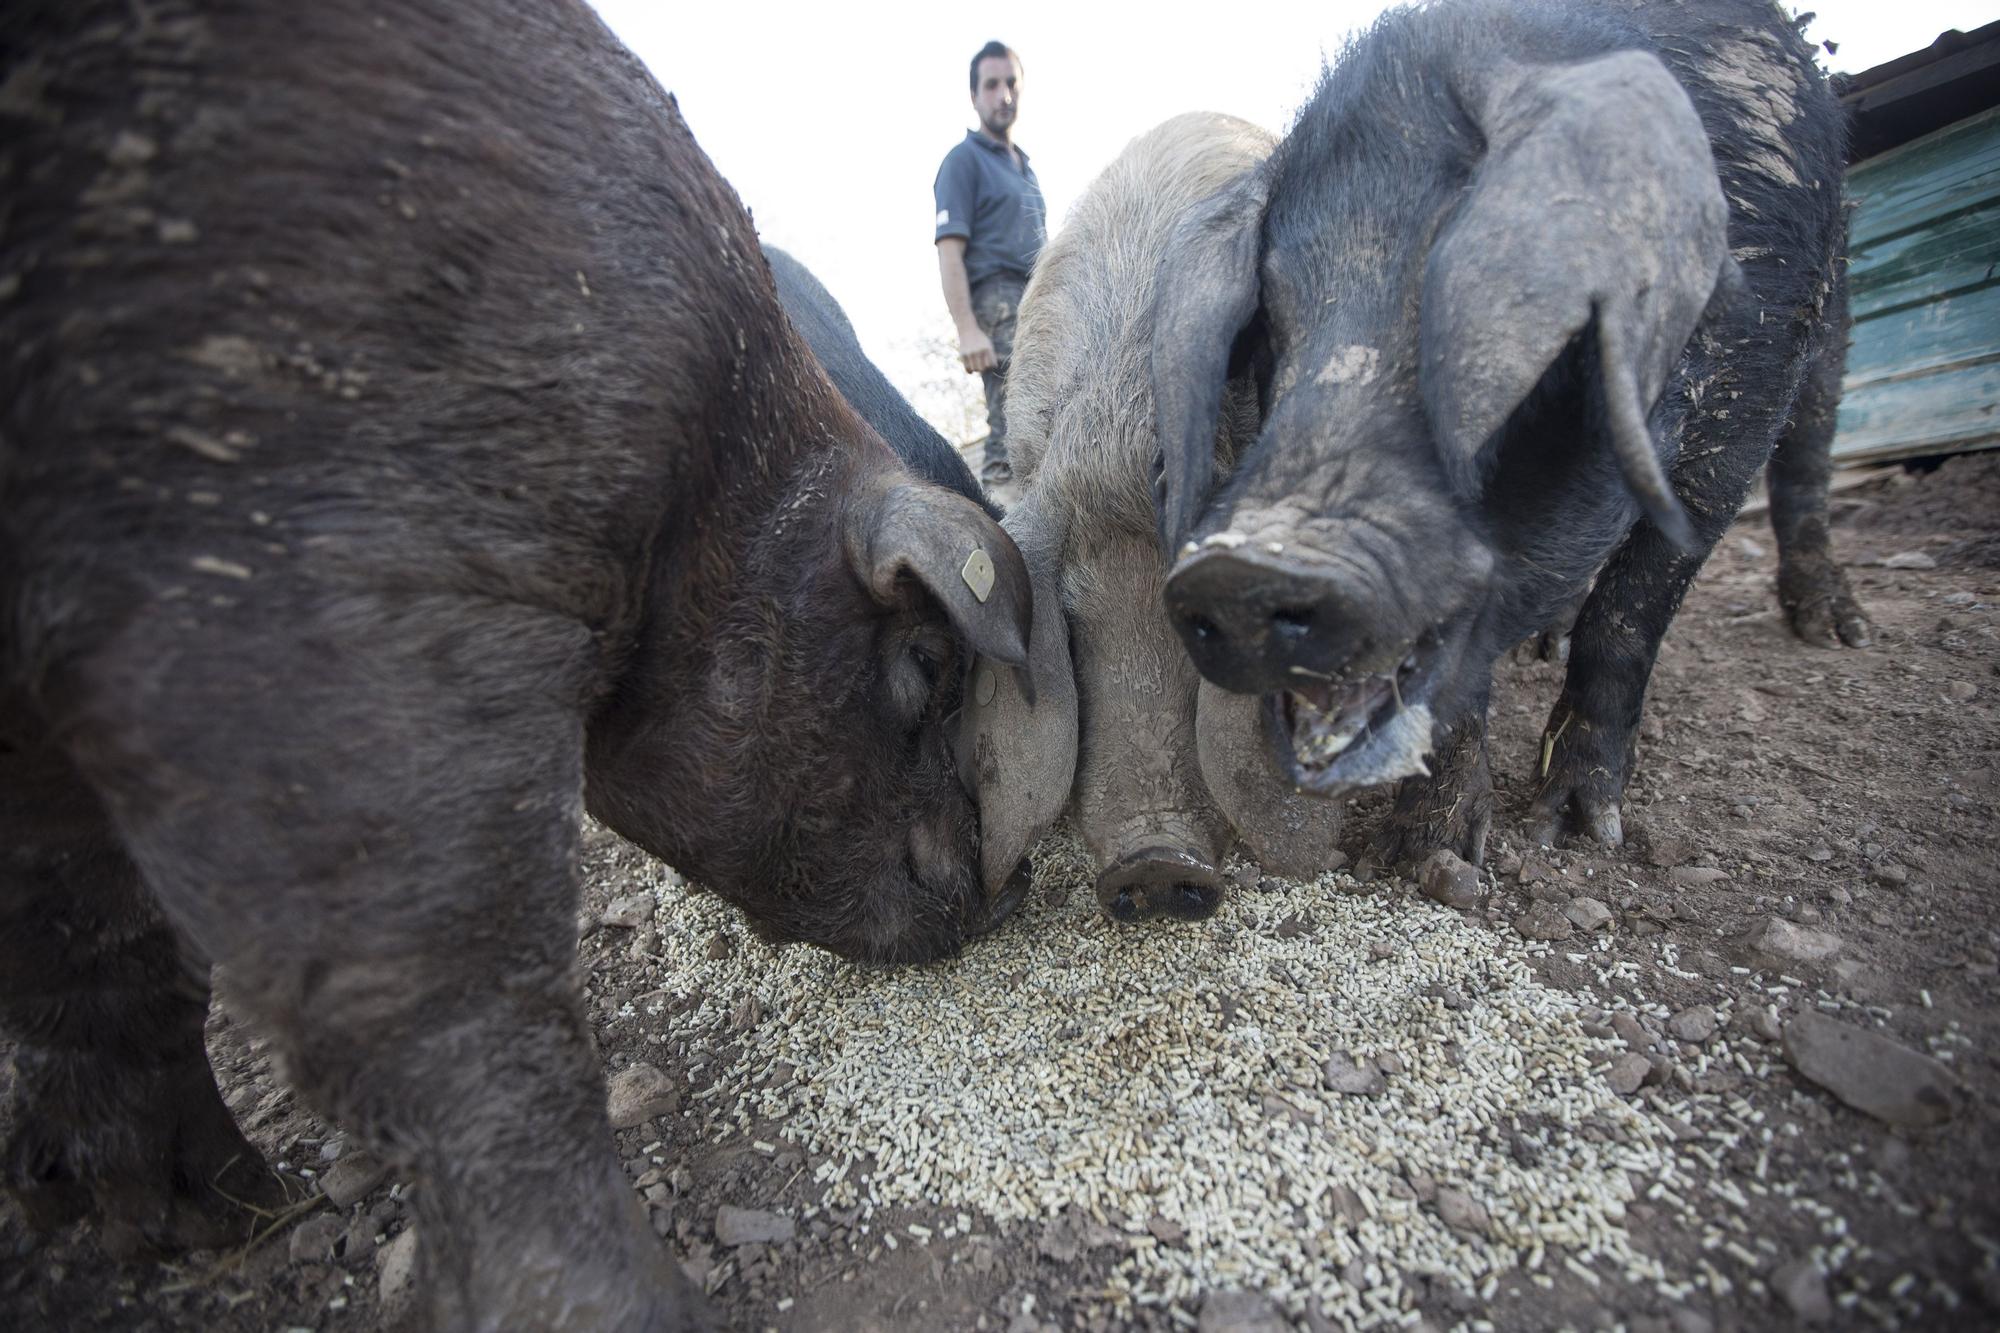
(1452, 808)
(115, 1113)
(383, 856)
(1587, 749)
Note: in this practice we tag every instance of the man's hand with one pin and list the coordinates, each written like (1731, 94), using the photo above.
(975, 351)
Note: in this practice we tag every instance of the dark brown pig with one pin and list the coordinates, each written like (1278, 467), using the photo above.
(1542, 288)
(1160, 771)
(401, 448)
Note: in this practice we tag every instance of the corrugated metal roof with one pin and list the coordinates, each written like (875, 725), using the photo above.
(1923, 370)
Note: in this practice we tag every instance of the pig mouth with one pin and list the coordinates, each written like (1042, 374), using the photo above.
(1334, 735)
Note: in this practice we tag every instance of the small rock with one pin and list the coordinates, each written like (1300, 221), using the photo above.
(1907, 560)
(1588, 913)
(1507, 865)
(1422, 1183)
(1695, 1024)
(1381, 949)
(1869, 1072)
(1961, 691)
(360, 1238)
(751, 1226)
(1447, 879)
(1356, 1078)
(1890, 874)
(1167, 1231)
(1346, 1204)
(629, 912)
(1543, 921)
(1533, 869)
(1696, 877)
(720, 946)
(1800, 1285)
(1389, 1063)
(1240, 1312)
(1461, 1212)
(396, 1272)
(1628, 1073)
(1820, 853)
(1761, 1022)
(350, 1179)
(1665, 853)
(312, 1240)
(645, 944)
(1059, 1241)
(1684, 1320)
(638, 1093)
(1781, 939)
(1294, 926)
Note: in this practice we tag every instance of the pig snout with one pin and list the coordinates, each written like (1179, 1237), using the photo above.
(1159, 881)
(1253, 622)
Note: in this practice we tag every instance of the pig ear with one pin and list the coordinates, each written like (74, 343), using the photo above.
(1018, 737)
(1597, 204)
(961, 557)
(1206, 292)
(1288, 832)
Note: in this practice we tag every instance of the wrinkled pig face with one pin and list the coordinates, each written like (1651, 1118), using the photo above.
(807, 775)
(1350, 614)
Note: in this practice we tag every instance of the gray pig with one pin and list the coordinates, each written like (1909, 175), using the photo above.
(1542, 286)
(1157, 767)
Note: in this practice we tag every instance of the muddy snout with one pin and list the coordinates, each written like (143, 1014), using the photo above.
(1001, 904)
(1255, 622)
(1159, 882)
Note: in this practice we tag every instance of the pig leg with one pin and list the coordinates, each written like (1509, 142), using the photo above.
(1588, 747)
(114, 1109)
(1451, 809)
(1811, 586)
(378, 840)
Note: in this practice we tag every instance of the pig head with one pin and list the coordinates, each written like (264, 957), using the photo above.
(1160, 771)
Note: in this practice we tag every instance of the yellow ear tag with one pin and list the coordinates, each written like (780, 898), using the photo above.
(978, 573)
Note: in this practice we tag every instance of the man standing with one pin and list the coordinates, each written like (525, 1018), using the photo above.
(990, 226)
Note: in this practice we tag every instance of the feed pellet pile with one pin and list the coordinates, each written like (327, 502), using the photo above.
(1310, 1095)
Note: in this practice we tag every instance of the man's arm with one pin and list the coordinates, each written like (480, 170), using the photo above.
(975, 349)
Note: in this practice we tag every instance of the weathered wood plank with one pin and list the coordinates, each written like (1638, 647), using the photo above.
(1954, 408)
(1954, 256)
(1956, 168)
(1926, 337)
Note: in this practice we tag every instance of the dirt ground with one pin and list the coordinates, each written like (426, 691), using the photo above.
(1851, 793)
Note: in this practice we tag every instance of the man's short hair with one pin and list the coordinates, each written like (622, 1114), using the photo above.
(987, 52)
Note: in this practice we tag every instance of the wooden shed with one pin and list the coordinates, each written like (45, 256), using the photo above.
(1923, 369)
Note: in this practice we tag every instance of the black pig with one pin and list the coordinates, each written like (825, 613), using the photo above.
(1532, 289)
(401, 447)
(830, 334)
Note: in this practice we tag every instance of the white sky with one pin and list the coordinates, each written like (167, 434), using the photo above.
(830, 119)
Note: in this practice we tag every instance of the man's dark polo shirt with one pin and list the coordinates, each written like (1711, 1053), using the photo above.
(996, 206)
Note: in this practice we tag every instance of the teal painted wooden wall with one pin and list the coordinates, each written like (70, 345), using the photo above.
(1923, 369)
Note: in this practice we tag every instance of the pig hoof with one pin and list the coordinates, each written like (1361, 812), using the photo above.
(1821, 609)
(163, 1165)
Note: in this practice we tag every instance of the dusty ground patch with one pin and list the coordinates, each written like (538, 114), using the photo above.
(884, 1166)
